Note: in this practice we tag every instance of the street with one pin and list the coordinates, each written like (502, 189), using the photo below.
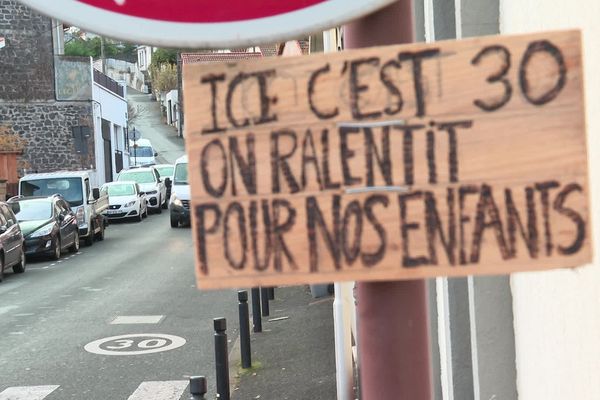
(142, 269)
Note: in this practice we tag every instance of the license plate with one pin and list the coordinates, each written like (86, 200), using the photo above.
(114, 211)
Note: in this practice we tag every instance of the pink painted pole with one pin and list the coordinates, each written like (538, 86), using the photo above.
(393, 335)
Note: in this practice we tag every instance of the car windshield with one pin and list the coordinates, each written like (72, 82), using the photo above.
(138, 176)
(69, 188)
(165, 172)
(143, 151)
(121, 190)
(32, 210)
(181, 174)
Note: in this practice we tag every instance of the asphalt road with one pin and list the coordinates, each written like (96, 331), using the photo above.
(49, 313)
(142, 269)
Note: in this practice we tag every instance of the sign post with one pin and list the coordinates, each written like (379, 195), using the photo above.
(393, 333)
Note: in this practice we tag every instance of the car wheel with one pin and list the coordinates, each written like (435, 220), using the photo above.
(57, 249)
(174, 221)
(89, 239)
(20, 267)
(75, 246)
(100, 235)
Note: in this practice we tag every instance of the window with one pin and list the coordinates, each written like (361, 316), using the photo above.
(138, 176)
(69, 188)
(143, 151)
(121, 190)
(181, 174)
(165, 172)
(33, 210)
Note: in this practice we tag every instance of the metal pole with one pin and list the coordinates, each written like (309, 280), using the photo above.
(244, 329)
(198, 387)
(256, 313)
(393, 336)
(221, 358)
(264, 294)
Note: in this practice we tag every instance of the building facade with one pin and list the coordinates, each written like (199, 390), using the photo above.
(28, 104)
(54, 102)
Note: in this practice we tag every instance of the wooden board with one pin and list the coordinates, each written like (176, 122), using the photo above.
(400, 162)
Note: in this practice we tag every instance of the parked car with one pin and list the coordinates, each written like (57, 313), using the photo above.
(141, 153)
(179, 204)
(49, 225)
(125, 200)
(76, 189)
(12, 243)
(150, 183)
(166, 174)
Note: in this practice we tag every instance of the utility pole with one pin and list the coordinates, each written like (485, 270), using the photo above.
(393, 336)
(102, 57)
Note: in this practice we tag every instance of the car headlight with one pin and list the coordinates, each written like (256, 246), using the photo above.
(175, 201)
(80, 216)
(152, 192)
(43, 231)
(130, 204)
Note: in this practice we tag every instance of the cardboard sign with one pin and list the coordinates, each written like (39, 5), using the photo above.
(401, 162)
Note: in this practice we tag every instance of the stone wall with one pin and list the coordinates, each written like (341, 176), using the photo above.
(26, 62)
(47, 127)
(27, 95)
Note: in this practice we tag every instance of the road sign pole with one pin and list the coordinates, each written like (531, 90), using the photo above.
(393, 337)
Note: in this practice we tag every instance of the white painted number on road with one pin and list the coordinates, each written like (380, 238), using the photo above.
(134, 344)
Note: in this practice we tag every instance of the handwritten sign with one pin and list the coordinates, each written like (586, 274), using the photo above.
(400, 162)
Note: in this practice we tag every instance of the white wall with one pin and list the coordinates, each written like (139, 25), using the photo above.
(113, 108)
(557, 313)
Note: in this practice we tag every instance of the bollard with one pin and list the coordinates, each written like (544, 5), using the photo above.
(256, 317)
(244, 330)
(264, 295)
(221, 358)
(271, 293)
(198, 387)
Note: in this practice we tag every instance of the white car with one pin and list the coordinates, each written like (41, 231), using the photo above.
(125, 200)
(150, 183)
(141, 153)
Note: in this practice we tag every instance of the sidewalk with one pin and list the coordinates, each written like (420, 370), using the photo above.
(294, 357)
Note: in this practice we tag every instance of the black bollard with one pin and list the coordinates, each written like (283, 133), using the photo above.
(221, 358)
(198, 387)
(256, 317)
(264, 295)
(244, 329)
(271, 293)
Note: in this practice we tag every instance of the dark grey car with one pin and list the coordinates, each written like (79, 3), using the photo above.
(12, 244)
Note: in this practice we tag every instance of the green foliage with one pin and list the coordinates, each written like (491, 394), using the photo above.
(92, 48)
(164, 56)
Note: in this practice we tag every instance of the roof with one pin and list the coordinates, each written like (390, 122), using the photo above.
(57, 174)
(202, 58)
(182, 159)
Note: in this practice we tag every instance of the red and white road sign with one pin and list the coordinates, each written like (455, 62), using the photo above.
(205, 23)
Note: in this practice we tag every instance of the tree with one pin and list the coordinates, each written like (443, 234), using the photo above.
(164, 78)
(164, 56)
(93, 48)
